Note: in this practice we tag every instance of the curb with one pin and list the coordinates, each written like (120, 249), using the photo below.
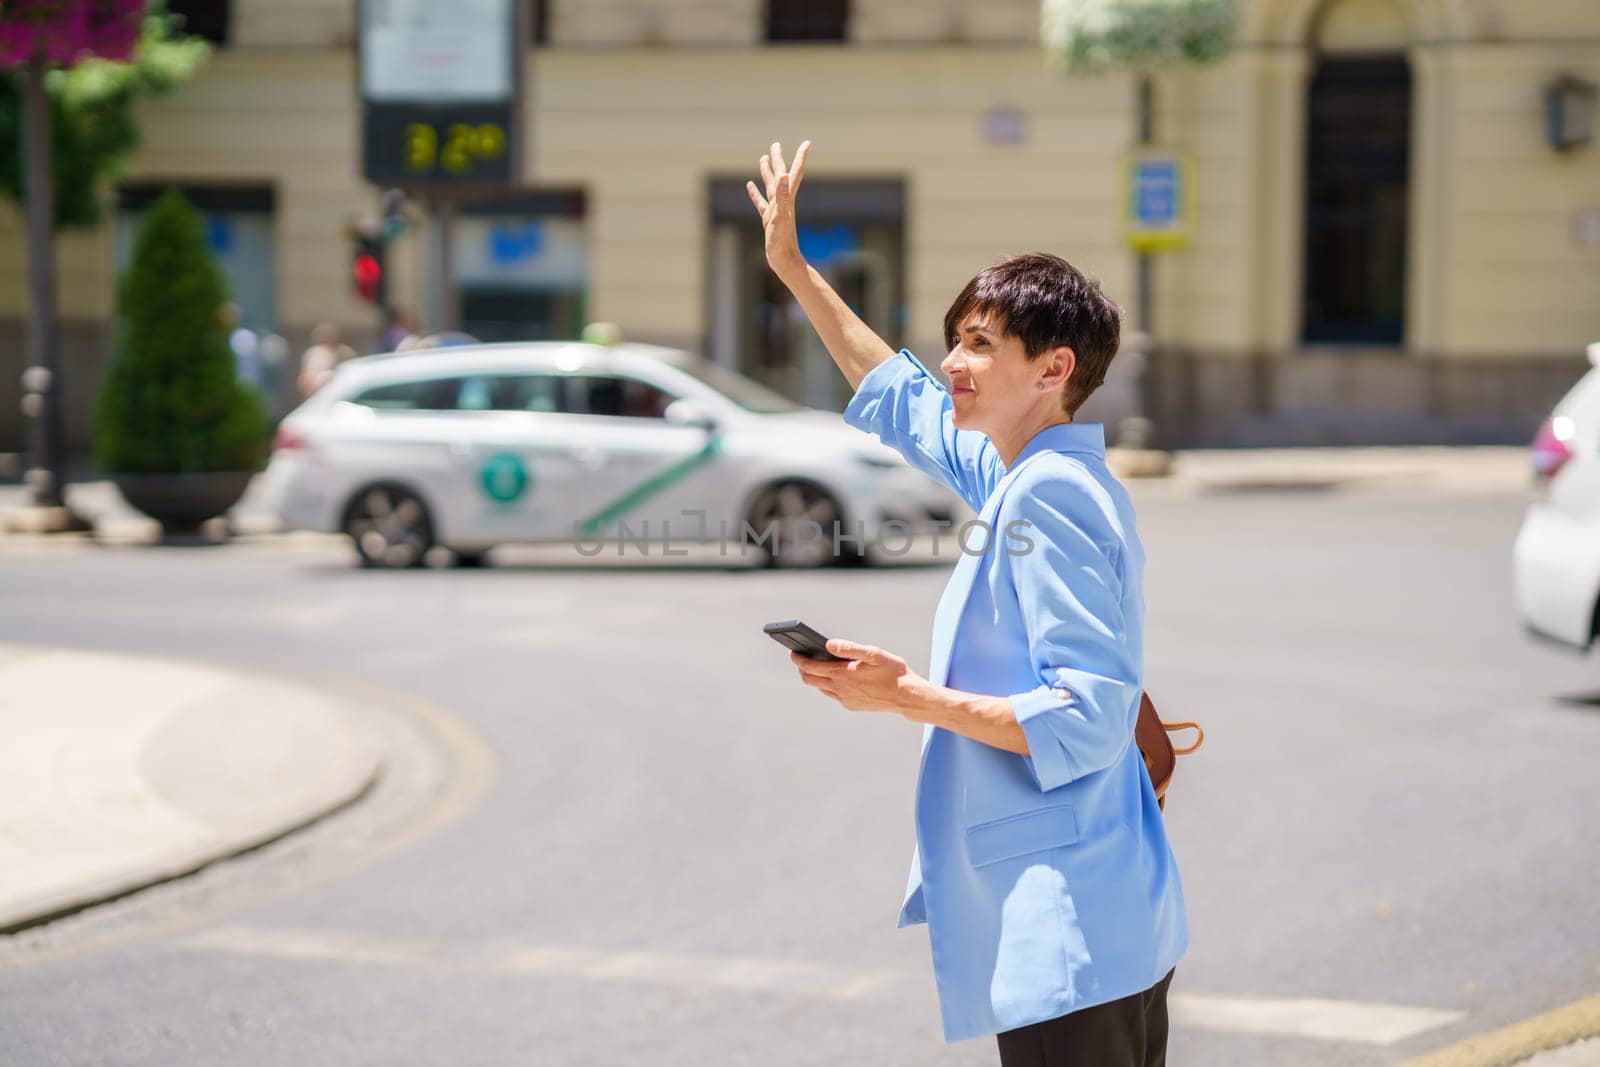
(109, 797)
(1496, 469)
(1517, 1042)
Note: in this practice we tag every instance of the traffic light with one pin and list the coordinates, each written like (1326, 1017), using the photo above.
(366, 271)
(369, 237)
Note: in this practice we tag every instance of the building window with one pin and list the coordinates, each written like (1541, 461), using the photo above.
(853, 233)
(522, 264)
(202, 18)
(807, 20)
(239, 232)
(1358, 151)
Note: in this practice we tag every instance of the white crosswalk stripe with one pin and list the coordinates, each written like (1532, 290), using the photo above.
(751, 974)
(1316, 1019)
(683, 970)
(1325, 1020)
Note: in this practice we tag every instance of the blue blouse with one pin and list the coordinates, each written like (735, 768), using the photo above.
(1046, 880)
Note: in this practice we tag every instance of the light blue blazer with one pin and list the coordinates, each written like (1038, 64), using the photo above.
(1046, 880)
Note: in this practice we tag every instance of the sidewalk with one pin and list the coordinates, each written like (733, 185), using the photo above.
(116, 521)
(121, 771)
(1464, 468)
(1585, 1053)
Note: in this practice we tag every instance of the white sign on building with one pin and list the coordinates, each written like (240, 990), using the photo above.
(437, 51)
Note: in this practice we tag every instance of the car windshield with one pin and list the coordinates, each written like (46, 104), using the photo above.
(750, 395)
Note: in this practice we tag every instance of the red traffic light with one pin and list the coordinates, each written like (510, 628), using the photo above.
(367, 272)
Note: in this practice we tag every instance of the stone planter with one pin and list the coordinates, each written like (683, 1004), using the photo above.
(181, 502)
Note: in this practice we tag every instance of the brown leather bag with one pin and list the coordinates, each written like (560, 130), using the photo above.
(1150, 734)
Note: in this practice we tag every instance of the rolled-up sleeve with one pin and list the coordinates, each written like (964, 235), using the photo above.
(1080, 717)
(903, 405)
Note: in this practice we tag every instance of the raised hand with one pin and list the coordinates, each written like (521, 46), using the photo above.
(777, 208)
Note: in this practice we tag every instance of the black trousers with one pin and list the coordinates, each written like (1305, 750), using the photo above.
(1131, 1032)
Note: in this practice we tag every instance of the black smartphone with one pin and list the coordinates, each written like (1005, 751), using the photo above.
(798, 637)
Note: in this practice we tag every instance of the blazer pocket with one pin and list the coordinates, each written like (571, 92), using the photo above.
(1018, 835)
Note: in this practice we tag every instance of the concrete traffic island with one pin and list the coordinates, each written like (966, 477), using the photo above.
(122, 771)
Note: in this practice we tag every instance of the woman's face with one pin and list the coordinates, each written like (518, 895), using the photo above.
(993, 383)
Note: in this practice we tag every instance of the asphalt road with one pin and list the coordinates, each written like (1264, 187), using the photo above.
(687, 858)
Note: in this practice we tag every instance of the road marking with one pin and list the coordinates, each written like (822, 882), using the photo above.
(678, 970)
(1321, 1020)
(338, 946)
(749, 973)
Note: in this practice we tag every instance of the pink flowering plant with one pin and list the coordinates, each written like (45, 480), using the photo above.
(64, 32)
(101, 55)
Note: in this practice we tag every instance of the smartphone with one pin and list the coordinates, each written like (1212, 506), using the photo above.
(798, 637)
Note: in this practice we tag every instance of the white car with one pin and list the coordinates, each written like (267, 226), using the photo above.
(1557, 552)
(617, 449)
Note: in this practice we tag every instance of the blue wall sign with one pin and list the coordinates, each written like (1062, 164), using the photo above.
(513, 242)
(1158, 200)
(1155, 192)
(821, 245)
(219, 233)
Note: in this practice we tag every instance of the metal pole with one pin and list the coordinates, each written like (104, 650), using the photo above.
(1137, 431)
(447, 298)
(1146, 119)
(41, 382)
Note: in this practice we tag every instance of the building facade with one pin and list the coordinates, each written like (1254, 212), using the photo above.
(1388, 244)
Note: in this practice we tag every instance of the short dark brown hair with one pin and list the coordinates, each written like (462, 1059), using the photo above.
(1046, 302)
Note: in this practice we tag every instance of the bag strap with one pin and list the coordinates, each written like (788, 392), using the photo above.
(1160, 756)
(1186, 724)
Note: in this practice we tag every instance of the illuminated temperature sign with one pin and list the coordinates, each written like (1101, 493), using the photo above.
(440, 85)
(467, 143)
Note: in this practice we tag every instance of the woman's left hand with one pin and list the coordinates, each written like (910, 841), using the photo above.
(871, 680)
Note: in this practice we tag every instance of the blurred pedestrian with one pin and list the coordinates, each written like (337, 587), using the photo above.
(274, 352)
(320, 360)
(1054, 908)
(402, 326)
(245, 345)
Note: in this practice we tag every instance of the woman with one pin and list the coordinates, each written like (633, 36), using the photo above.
(1054, 908)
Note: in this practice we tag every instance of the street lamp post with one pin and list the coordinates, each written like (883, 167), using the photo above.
(1137, 430)
(38, 36)
(1086, 37)
(41, 400)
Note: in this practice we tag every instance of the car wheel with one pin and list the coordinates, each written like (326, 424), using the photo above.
(389, 526)
(781, 516)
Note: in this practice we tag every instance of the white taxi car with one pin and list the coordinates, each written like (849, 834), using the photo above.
(1557, 551)
(614, 448)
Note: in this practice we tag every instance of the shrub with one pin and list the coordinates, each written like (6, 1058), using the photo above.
(172, 402)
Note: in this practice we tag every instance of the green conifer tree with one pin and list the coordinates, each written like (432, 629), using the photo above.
(172, 402)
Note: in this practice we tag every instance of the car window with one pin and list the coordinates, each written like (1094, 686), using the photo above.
(752, 396)
(609, 395)
(426, 394)
(475, 394)
(526, 392)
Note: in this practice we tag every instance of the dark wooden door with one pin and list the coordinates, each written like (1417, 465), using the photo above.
(1358, 162)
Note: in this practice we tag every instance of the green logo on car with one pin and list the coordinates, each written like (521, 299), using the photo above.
(504, 477)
